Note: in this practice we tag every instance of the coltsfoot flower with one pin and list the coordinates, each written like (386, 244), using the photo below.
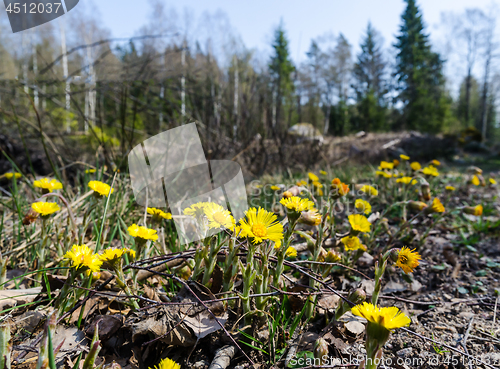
(436, 207)
(218, 216)
(363, 206)
(450, 188)
(474, 210)
(404, 157)
(112, 254)
(407, 259)
(297, 204)
(415, 166)
(492, 181)
(381, 173)
(313, 177)
(82, 258)
(291, 252)
(260, 224)
(90, 171)
(430, 171)
(275, 188)
(10, 175)
(352, 243)
(406, 180)
(369, 190)
(339, 188)
(45, 208)
(359, 223)
(142, 233)
(386, 165)
(100, 188)
(388, 318)
(196, 210)
(159, 214)
(167, 364)
(436, 163)
(48, 185)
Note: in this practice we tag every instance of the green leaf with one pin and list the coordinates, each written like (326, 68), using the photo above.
(462, 290)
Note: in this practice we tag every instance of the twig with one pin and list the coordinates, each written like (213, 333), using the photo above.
(223, 357)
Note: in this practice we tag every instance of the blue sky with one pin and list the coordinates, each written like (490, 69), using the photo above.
(255, 20)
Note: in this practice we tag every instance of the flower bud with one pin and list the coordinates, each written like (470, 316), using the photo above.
(332, 257)
(417, 205)
(321, 350)
(295, 191)
(357, 296)
(474, 210)
(311, 217)
(426, 190)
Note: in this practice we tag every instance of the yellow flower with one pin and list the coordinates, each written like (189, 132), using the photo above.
(363, 206)
(83, 257)
(404, 157)
(370, 190)
(352, 243)
(387, 317)
(10, 175)
(384, 174)
(167, 364)
(474, 210)
(317, 184)
(101, 188)
(112, 254)
(297, 204)
(415, 166)
(492, 181)
(359, 223)
(131, 253)
(89, 171)
(311, 217)
(218, 216)
(142, 233)
(261, 225)
(159, 213)
(430, 171)
(475, 180)
(313, 177)
(404, 180)
(386, 165)
(436, 162)
(275, 188)
(436, 206)
(287, 194)
(45, 208)
(322, 172)
(196, 210)
(450, 188)
(408, 260)
(396, 163)
(339, 188)
(48, 185)
(291, 252)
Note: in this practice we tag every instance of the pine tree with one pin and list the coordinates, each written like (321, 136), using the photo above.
(419, 75)
(369, 84)
(281, 69)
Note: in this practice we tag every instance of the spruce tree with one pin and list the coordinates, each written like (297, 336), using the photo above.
(369, 84)
(281, 69)
(419, 75)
